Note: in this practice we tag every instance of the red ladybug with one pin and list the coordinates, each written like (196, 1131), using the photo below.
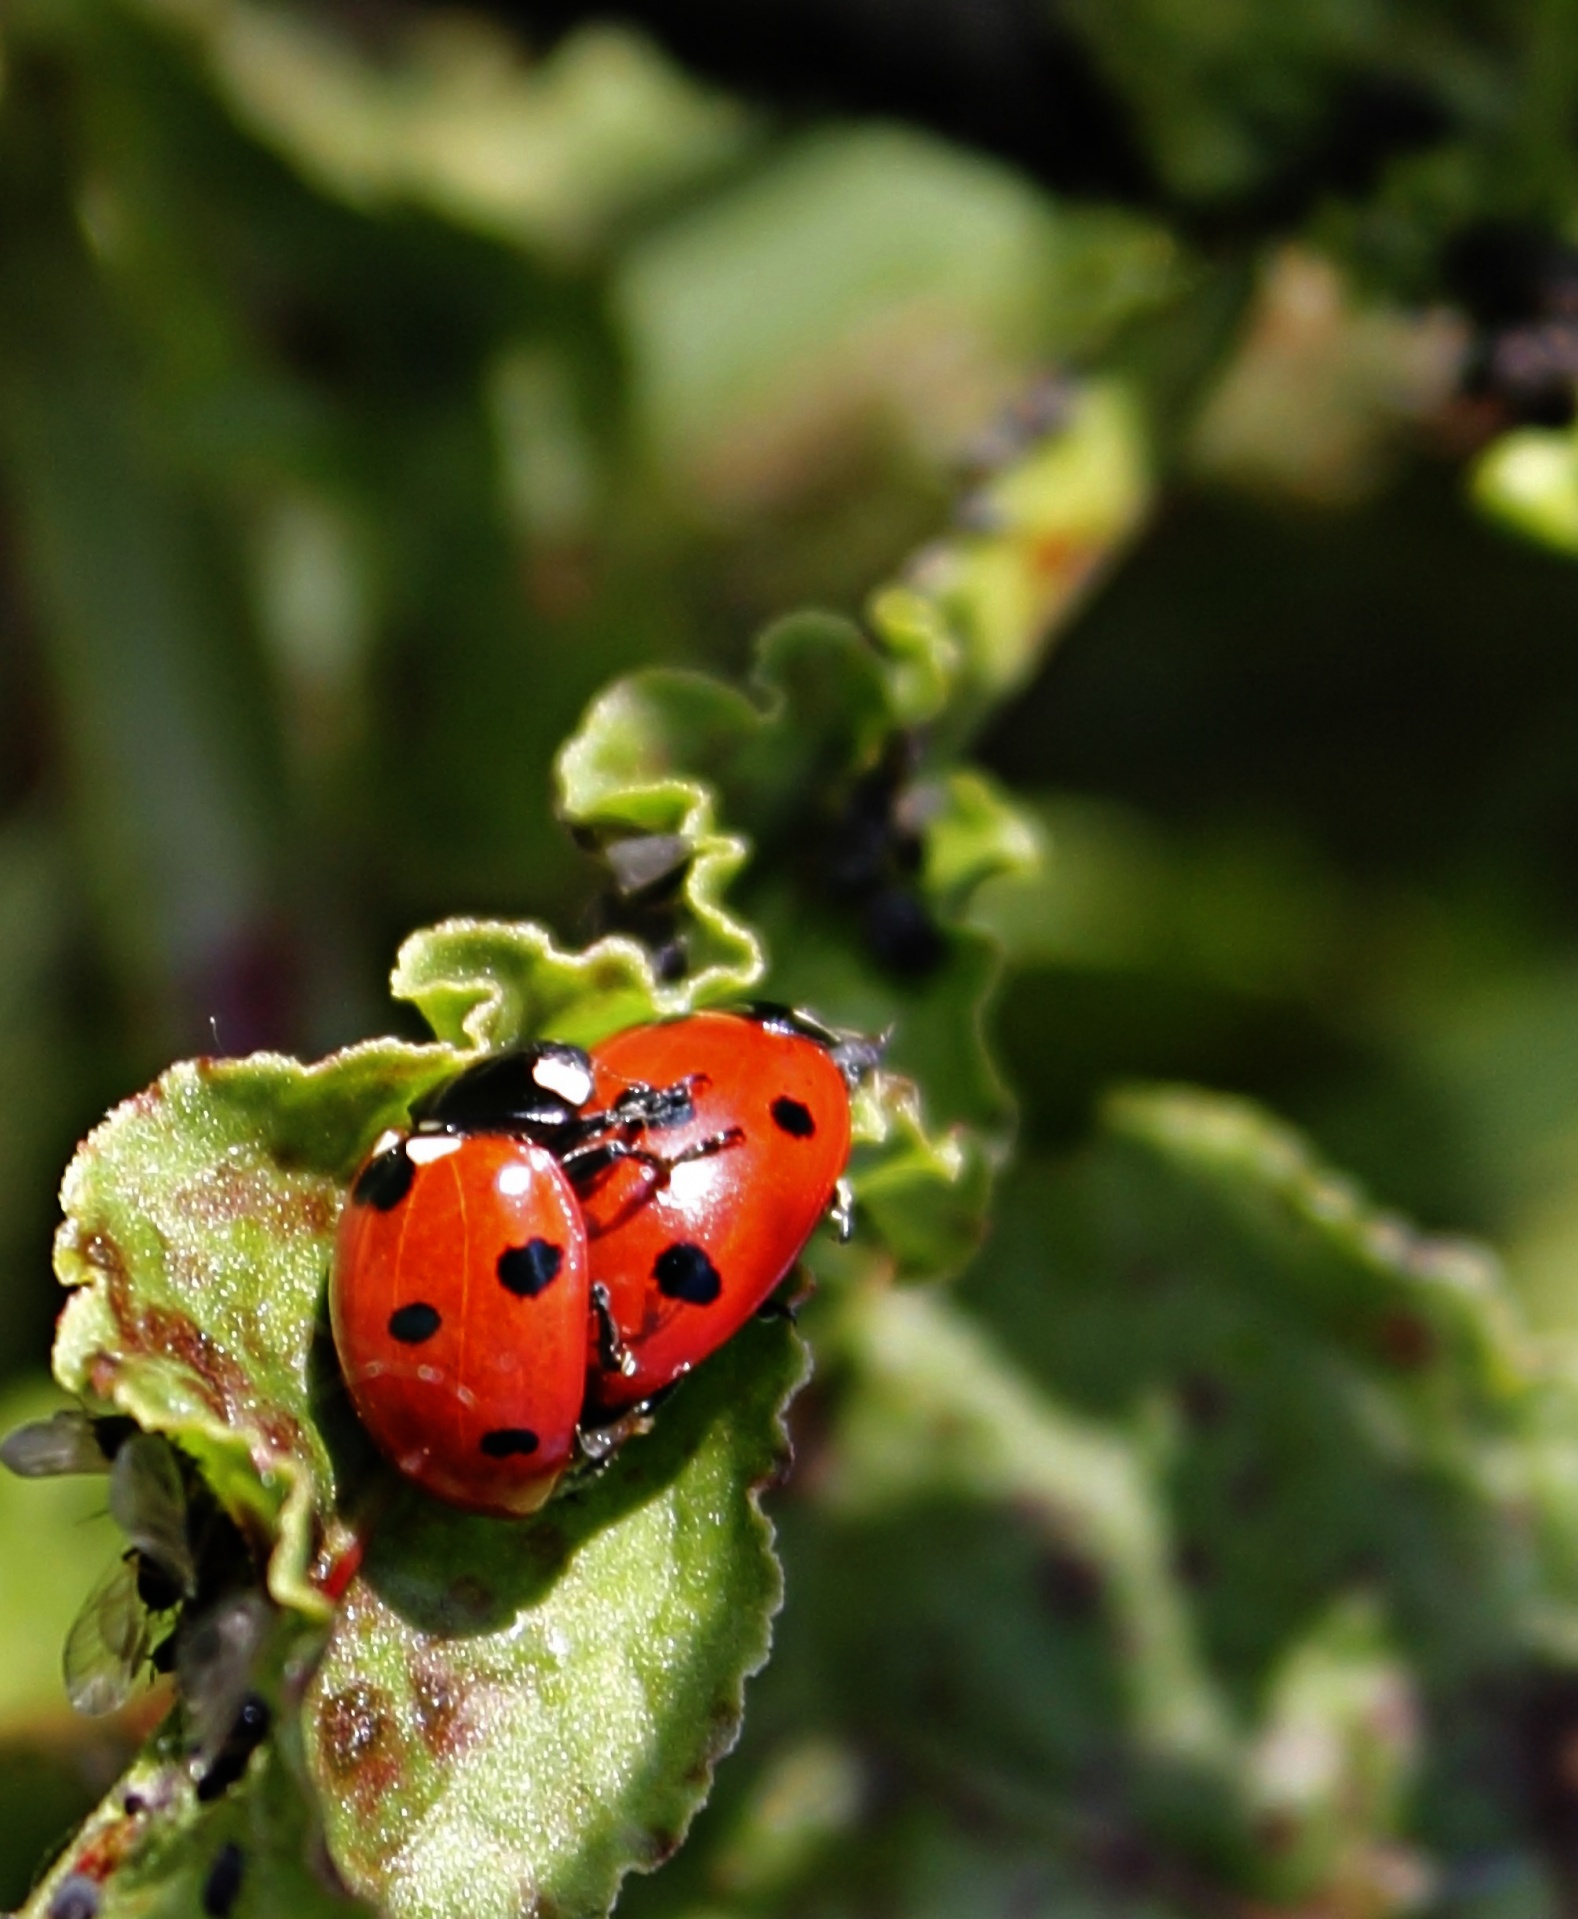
(459, 1305)
(476, 1316)
(690, 1232)
(458, 1297)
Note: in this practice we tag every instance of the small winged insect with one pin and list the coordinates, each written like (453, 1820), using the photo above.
(215, 1653)
(118, 1636)
(114, 1641)
(181, 1598)
(67, 1442)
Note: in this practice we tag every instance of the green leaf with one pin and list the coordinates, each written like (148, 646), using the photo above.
(934, 1408)
(599, 1650)
(1348, 1413)
(513, 1715)
(548, 155)
(968, 624)
(199, 1222)
(1169, 1535)
(657, 752)
(152, 1846)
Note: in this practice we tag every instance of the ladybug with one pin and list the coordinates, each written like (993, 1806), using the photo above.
(689, 1235)
(459, 1297)
(518, 1260)
(459, 1293)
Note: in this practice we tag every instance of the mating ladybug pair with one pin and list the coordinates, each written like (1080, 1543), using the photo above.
(563, 1234)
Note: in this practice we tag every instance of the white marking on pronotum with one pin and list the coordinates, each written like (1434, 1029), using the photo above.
(569, 1078)
(427, 1147)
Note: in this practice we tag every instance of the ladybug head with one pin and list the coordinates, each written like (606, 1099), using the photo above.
(536, 1092)
(854, 1054)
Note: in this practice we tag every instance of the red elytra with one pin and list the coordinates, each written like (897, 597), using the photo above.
(688, 1251)
(458, 1301)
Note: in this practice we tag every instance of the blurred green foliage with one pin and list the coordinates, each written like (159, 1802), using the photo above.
(373, 393)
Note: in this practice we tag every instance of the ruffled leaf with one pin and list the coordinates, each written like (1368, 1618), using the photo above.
(199, 1222)
(511, 1718)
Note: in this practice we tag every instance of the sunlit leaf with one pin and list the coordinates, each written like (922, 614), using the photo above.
(199, 1218)
(510, 1713)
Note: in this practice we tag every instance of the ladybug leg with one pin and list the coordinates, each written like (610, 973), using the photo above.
(595, 1447)
(641, 1108)
(651, 1108)
(613, 1355)
(705, 1148)
(786, 1299)
(584, 1163)
(596, 1444)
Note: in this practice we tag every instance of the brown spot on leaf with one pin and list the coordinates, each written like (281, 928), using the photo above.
(360, 1742)
(654, 1846)
(221, 1380)
(117, 1838)
(104, 1255)
(1059, 557)
(439, 1699)
(609, 974)
(289, 1207)
(723, 1729)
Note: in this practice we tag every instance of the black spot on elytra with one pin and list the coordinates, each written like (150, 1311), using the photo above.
(684, 1272)
(527, 1270)
(414, 1323)
(222, 1887)
(507, 1442)
(383, 1182)
(792, 1117)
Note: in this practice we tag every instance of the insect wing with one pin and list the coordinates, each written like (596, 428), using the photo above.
(66, 1442)
(108, 1645)
(148, 1503)
(214, 1661)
